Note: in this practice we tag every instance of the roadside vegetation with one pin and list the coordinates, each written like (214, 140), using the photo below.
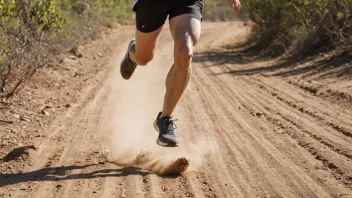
(301, 27)
(32, 31)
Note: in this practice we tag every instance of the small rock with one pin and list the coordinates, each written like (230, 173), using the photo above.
(319, 157)
(76, 52)
(68, 105)
(49, 106)
(45, 112)
(259, 114)
(13, 131)
(99, 54)
(17, 116)
(332, 166)
(58, 186)
(26, 119)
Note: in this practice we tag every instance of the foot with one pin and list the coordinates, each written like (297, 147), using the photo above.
(127, 66)
(166, 128)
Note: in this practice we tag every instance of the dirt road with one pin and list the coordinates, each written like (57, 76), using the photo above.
(244, 135)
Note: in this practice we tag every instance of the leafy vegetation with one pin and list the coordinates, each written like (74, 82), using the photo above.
(23, 25)
(217, 11)
(302, 26)
(29, 26)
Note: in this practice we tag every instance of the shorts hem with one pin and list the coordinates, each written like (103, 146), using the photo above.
(148, 30)
(196, 16)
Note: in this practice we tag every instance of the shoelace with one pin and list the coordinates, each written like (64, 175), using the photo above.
(168, 126)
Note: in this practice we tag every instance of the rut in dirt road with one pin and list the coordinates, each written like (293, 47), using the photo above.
(241, 135)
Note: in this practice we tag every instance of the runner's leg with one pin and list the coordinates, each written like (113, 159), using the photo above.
(185, 30)
(143, 52)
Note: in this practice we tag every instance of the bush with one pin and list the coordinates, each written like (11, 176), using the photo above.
(219, 10)
(23, 27)
(302, 25)
(26, 27)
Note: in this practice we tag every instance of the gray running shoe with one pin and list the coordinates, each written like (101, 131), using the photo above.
(127, 66)
(166, 128)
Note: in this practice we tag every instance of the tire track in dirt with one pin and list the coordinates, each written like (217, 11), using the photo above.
(253, 158)
(302, 134)
(343, 163)
(72, 151)
(315, 109)
(208, 121)
(336, 142)
(62, 148)
(321, 139)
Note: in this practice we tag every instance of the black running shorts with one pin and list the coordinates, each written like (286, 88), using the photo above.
(152, 14)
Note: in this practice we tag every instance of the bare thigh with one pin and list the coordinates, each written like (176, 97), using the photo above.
(185, 28)
(145, 46)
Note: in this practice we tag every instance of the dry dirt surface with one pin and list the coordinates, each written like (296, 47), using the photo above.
(244, 130)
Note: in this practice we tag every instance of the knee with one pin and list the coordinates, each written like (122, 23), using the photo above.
(183, 54)
(144, 60)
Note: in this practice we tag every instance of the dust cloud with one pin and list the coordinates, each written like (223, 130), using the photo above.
(134, 141)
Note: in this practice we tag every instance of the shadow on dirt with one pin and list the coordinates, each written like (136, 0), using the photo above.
(221, 58)
(63, 173)
(325, 68)
(237, 55)
(336, 66)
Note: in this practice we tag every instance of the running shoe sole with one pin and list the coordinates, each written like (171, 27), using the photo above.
(126, 73)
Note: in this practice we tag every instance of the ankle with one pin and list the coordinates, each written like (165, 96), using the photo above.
(163, 115)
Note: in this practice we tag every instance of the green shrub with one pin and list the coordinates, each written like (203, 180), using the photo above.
(302, 25)
(23, 26)
(26, 27)
(219, 10)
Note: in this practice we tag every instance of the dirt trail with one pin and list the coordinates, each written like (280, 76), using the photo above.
(243, 135)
